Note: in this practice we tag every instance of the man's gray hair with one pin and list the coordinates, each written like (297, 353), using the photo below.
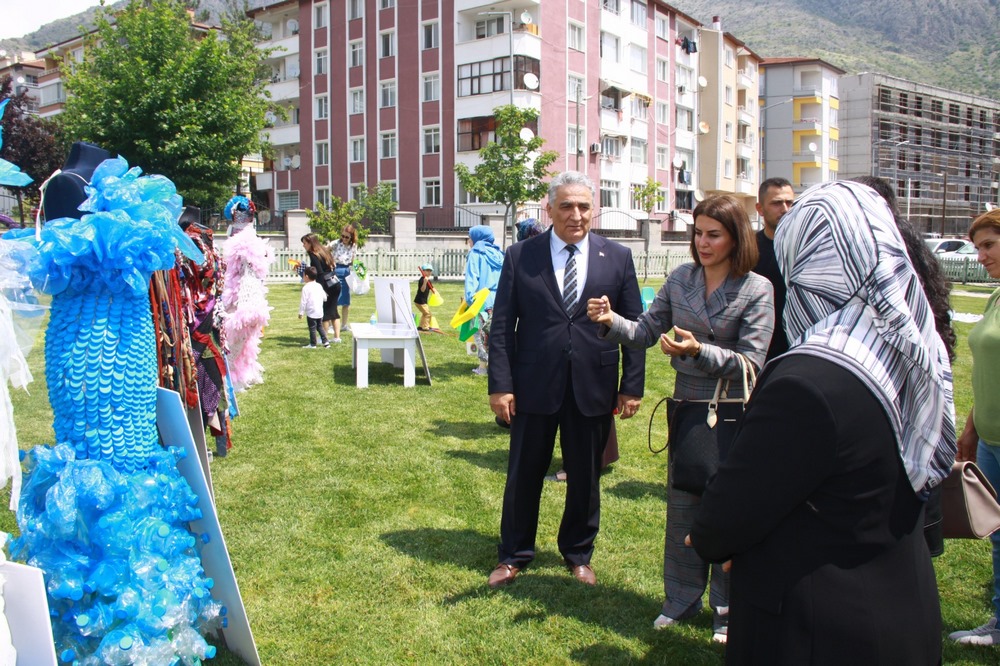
(570, 178)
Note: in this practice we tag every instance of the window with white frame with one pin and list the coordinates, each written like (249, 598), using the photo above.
(575, 86)
(687, 160)
(730, 57)
(288, 200)
(613, 6)
(355, 9)
(387, 94)
(432, 140)
(322, 153)
(322, 16)
(432, 192)
(357, 100)
(323, 196)
(322, 107)
(728, 169)
(662, 26)
(663, 202)
(634, 199)
(611, 147)
(639, 13)
(387, 41)
(685, 75)
(481, 78)
(356, 51)
(663, 113)
(610, 48)
(640, 107)
(388, 143)
(432, 87)
(576, 140)
(358, 149)
(490, 27)
(639, 151)
(662, 70)
(393, 193)
(729, 132)
(834, 147)
(609, 193)
(575, 37)
(432, 36)
(729, 95)
(465, 197)
(685, 119)
(662, 158)
(322, 59)
(386, 4)
(356, 191)
(637, 58)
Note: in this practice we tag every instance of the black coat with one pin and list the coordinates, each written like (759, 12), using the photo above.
(815, 510)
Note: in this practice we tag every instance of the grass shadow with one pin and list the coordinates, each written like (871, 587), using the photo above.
(494, 461)
(636, 490)
(470, 430)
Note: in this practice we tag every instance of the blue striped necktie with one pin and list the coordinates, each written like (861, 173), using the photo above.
(569, 280)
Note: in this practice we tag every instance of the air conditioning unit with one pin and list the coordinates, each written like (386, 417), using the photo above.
(595, 149)
(681, 90)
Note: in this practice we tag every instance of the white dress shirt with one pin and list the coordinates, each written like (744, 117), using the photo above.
(557, 247)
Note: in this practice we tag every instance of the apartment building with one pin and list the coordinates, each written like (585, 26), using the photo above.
(384, 91)
(23, 68)
(800, 120)
(940, 148)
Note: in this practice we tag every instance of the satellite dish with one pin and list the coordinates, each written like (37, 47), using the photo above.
(702, 82)
(526, 17)
(296, 161)
(526, 134)
(270, 117)
(812, 147)
(530, 81)
(286, 161)
(293, 26)
(699, 196)
(704, 127)
(678, 162)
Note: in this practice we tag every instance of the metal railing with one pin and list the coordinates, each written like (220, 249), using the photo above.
(964, 270)
(447, 220)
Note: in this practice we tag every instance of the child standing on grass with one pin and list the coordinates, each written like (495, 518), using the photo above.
(311, 305)
(423, 293)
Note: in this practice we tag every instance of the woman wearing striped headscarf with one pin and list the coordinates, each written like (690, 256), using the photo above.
(819, 504)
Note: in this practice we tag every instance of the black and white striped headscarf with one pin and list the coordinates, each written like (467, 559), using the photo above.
(854, 299)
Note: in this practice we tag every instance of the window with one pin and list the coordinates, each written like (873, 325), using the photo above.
(684, 75)
(639, 13)
(685, 119)
(322, 58)
(355, 9)
(611, 99)
(322, 107)
(609, 47)
(387, 94)
(611, 147)
(728, 169)
(357, 101)
(662, 158)
(432, 140)
(729, 95)
(662, 26)
(663, 113)
(480, 78)
(613, 6)
(388, 143)
(490, 27)
(639, 154)
(637, 58)
(730, 57)
(662, 70)
(684, 200)
(609, 194)
(432, 192)
(904, 103)
(322, 153)
(431, 36)
(640, 107)
(358, 149)
(288, 200)
(322, 18)
(387, 42)
(357, 191)
(432, 87)
(465, 197)
(323, 197)
(386, 4)
(575, 140)
(662, 203)
(729, 132)
(954, 113)
(356, 50)
(474, 133)
(575, 86)
(575, 37)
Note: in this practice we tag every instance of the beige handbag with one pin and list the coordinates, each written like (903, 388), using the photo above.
(968, 503)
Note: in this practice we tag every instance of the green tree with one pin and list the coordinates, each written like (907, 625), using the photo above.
(171, 98)
(377, 206)
(327, 222)
(512, 170)
(649, 195)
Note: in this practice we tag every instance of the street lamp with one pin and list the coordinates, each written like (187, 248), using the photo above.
(509, 27)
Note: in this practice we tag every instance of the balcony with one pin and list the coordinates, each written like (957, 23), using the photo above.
(808, 125)
(284, 88)
(745, 116)
(284, 46)
(744, 79)
(283, 135)
(265, 180)
(744, 148)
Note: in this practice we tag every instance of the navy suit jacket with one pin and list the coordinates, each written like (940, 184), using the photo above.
(534, 342)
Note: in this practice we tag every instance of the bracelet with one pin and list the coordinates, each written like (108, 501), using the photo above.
(697, 352)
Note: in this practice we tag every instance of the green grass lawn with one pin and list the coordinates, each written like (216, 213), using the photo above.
(362, 523)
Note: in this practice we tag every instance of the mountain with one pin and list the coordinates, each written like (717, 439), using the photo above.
(952, 44)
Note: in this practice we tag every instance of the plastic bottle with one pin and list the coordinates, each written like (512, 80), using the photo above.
(372, 320)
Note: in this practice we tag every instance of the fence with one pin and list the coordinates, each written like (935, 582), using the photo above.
(964, 270)
(446, 220)
(450, 264)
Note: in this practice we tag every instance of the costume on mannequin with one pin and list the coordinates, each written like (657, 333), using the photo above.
(64, 191)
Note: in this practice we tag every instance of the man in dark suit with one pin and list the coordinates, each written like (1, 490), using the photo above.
(549, 370)
(774, 198)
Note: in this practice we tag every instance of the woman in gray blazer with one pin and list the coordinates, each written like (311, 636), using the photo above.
(718, 309)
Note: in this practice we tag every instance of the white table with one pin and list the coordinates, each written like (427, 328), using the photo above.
(399, 337)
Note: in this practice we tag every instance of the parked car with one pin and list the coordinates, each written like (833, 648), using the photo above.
(968, 250)
(938, 245)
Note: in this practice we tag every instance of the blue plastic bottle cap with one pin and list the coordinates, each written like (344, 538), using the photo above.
(67, 655)
(163, 531)
(210, 652)
(82, 621)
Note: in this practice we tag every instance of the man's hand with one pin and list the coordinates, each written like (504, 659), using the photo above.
(628, 405)
(502, 405)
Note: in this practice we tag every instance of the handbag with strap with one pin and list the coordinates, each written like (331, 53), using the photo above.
(968, 503)
(329, 279)
(702, 431)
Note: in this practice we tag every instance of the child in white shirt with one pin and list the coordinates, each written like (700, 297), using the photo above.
(311, 305)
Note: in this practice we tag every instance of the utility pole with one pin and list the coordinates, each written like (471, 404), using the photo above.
(579, 149)
(944, 201)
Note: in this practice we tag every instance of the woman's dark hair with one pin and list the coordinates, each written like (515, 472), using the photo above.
(728, 212)
(315, 246)
(928, 268)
